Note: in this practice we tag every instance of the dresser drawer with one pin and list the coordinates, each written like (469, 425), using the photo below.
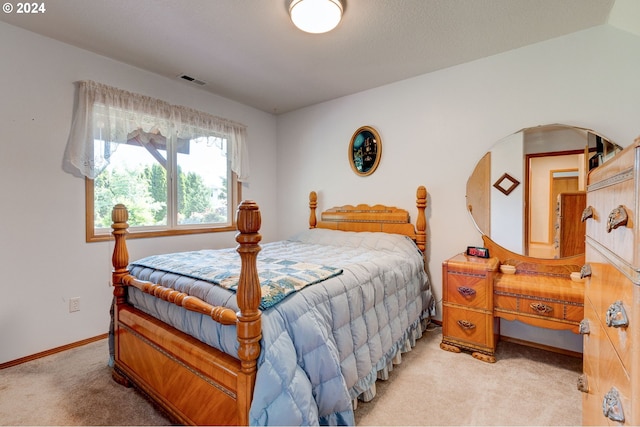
(539, 300)
(613, 379)
(595, 401)
(527, 306)
(467, 281)
(467, 289)
(607, 290)
(552, 309)
(603, 200)
(468, 326)
(536, 307)
(604, 371)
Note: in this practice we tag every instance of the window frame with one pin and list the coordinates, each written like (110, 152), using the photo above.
(92, 236)
(106, 113)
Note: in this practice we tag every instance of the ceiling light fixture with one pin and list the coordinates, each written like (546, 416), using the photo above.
(316, 16)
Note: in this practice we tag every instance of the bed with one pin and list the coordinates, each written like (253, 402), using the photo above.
(290, 333)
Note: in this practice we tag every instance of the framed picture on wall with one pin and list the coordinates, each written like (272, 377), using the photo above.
(365, 150)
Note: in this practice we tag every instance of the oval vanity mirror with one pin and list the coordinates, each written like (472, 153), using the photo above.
(527, 193)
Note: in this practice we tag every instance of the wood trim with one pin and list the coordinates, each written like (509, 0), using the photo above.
(89, 206)
(541, 346)
(52, 351)
(91, 237)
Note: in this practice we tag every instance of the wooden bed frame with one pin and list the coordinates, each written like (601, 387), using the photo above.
(189, 380)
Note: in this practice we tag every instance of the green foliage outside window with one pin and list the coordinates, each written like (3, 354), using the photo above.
(144, 192)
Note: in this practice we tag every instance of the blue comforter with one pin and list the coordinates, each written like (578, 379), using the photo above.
(323, 345)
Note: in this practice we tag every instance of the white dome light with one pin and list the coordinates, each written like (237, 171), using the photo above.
(316, 16)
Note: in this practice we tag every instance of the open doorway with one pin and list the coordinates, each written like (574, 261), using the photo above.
(562, 181)
(548, 175)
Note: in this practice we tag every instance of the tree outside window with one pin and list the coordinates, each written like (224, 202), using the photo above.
(167, 188)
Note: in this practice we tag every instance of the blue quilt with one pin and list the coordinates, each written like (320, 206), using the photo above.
(323, 345)
(278, 277)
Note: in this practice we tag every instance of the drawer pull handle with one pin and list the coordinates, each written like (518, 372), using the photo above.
(612, 407)
(540, 308)
(587, 213)
(585, 271)
(583, 384)
(465, 324)
(617, 316)
(584, 328)
(617, 217)
(465, 291)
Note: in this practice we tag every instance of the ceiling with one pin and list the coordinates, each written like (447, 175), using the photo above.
(249, 51)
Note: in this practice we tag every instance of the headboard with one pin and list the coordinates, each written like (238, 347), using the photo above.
(382, 218)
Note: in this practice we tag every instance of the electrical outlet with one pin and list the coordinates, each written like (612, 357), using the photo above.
(74, 304)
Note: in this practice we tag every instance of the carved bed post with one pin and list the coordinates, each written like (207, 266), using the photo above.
(313, 204)
(120, 258)
(421, 221)
(249, 326)
(120, 261)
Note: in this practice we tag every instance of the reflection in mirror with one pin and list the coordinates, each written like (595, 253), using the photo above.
(537, 218)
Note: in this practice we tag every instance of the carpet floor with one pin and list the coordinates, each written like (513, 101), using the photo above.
(526, 386)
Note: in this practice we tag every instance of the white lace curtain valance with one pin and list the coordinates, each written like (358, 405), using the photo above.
(105, 113)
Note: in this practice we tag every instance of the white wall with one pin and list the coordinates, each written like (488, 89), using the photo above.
(435, 127)
(44, 259)
(507, 219)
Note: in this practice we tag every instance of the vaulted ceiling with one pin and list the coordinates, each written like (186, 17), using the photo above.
(249, 51)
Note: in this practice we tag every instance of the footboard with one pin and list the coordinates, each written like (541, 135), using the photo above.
(193, 382)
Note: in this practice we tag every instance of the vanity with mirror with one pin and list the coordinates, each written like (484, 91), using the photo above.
(546, 161)
(526, 197)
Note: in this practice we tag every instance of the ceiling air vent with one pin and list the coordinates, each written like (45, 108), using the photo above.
(192, 80)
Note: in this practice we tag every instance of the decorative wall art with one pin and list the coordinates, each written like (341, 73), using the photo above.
(365, 151)
(506, 183)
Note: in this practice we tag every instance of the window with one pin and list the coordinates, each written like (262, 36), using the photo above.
(196, 192)
(176, 170)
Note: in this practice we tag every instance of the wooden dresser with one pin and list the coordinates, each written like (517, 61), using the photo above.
(468, 321)
(611, 378)
(476, 295)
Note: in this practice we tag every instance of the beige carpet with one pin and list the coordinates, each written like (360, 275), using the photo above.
(71, 388)
(431, 387)
(526, 386)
